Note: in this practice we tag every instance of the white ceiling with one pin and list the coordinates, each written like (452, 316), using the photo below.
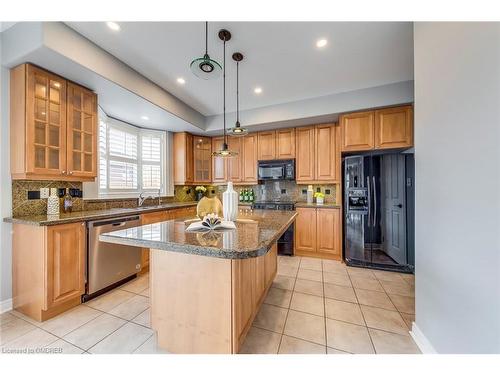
(280, 57)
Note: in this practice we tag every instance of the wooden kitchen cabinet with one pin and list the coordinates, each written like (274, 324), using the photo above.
(394, 127)
(285, 143)
(305, 154)
(318, 232)
(53, 127)
(267, 145)
(358, 131)
(48, 268)
(327, 153)
(183, 159)
(202, 158)
(219, 169)
(249, 159)
(234, 172)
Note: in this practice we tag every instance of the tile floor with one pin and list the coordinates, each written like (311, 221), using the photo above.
(314, 306)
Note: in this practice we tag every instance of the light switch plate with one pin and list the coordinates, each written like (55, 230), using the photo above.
(44, 192)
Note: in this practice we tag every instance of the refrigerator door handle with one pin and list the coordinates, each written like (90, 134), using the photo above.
(369, 198)
(374, 201)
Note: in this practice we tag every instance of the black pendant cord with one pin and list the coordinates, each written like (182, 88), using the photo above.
(224, 90)
(206, 38)
(237, 94)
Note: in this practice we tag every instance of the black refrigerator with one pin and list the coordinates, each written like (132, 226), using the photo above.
(379, 210)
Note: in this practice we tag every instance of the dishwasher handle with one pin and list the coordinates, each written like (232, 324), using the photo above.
(114, 222)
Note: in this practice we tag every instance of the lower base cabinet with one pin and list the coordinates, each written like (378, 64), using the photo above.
(318, 232)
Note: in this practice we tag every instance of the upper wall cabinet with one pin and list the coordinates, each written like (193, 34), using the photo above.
(249, 159)
(305, 146)
(234, 163)
(381, 129)
(276, 144)
(202, 156)
(219, 169)
(53, 127)
(267, 145)
(183, 159)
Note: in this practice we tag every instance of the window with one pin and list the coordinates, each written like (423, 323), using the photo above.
(131, 160)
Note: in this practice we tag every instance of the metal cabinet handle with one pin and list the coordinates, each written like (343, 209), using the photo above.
(369, 198)
(70, 172)
(63, 172)
(374, 201)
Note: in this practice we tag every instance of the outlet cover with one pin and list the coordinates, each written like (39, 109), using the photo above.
(44, 192)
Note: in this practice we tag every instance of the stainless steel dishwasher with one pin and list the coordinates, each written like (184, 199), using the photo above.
(110, 264)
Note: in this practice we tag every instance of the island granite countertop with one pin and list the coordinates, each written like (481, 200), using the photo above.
(79, 216)
(256, 231)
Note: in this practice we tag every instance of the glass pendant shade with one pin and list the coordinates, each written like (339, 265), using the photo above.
(206, 68)
(237, 131)
(224, 152)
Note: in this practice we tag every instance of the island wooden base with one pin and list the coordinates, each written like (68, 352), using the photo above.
(202, 304)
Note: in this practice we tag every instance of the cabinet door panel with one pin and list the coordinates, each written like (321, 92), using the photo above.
(271, 264)
(305, 229)
(259, 280)
(249, 158)
(285, 144)
(306, 154)
(394, 127)
(327, 163)
(219, 169)
(328, 231)
(267, 145)
(358, 131)
(234, 163)
(65, 268)
(243, 274)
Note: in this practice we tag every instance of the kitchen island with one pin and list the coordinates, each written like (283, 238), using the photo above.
(206, 287)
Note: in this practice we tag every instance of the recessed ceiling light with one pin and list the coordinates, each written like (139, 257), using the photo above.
(321, 43)
(258, 90)
(113, 26)
(181, 81)
(145, 118)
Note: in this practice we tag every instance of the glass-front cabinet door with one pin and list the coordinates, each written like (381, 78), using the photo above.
(46, 123)
(82, 132)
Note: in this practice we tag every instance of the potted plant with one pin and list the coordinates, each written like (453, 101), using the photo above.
(320, 198)
(200, 192)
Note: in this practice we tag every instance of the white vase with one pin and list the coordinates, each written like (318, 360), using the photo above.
(53, 202)
(230, 203)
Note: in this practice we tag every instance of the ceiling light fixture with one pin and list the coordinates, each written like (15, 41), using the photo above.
(204, 67)
(237, 131)
(145, 118)
(258, 90)
(321, 43)
(224, 152)
(181, 81)
(113, 26)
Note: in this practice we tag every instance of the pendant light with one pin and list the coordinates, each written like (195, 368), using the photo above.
(204, 67)
(237, 131)
(224, 152)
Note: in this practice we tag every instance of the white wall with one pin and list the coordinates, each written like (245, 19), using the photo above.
(457, 141)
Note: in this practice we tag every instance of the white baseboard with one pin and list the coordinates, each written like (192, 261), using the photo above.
(423, 344)
(5, 305)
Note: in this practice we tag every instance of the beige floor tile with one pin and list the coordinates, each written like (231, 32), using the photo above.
(285, 270)
(385, 320)
(291, 345)
(392, 343)
(335, 351)
(94, 331)
(63, 347)
(6, 318)
(308, 303)
(387, 275)
(334, 266)
(368, 284)
(129, 309)
(110, 300)
(337, 278)
(150, 347)
(283, 282)
(145, 292)
(345, 311)
(403, 304)
(409, 319)
(144, 318)
(20, 315)
(292, 261)
(314, 264)
(309, 287)
(260, 341)
(271, 318)
(400, 288)
(278, 297)
(310, 275)
(30, 341)
(13, 329)
(305, 326)
(348, 337)
(137, 285)
(376, 299)
(124, 340)
(70, 320)
(339, 292)
(360, 272)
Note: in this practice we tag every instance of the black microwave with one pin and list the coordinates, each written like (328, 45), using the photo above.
(276, 170)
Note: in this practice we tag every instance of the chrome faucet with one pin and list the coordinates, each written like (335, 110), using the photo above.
(142, 198)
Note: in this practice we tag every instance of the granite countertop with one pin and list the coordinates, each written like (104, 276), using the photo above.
(256, 231)
(314, 205)
(79, 216)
